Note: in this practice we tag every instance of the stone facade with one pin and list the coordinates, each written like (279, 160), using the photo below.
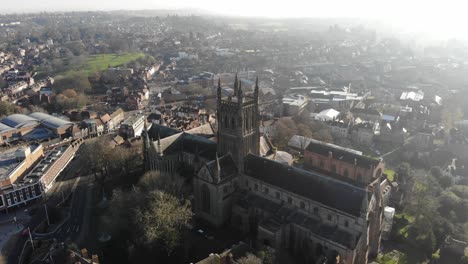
(238, 124)
(314, 214)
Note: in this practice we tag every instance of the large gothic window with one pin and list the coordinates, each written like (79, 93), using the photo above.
(226, 123)
(205, 199)
(233, 123)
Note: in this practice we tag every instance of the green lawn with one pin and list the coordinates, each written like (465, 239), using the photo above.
(390, 174)
(98, 63)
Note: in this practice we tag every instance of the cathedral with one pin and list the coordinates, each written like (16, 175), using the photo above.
(318, 215)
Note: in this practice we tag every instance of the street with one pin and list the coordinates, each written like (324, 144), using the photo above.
(71, 229)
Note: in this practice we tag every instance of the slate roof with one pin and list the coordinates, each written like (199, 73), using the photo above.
(205, 130)
(342, 154)
(188, 143)
(117, 112)
(51, 121)
(5, 128)
(227, 166)
(366, 111)
(325, 190)
(19, 120)
(162, 131)
(105, 118)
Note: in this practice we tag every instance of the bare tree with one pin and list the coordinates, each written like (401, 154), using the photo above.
(162, 219)
(249, 259)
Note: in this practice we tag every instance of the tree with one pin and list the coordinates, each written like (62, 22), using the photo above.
(249, 259)
(70, 99)
(445, 181)
(285, 129)
(436, 171)
(404, 173)
(96, 157)
(124, 159)
(120, 211)
(35, 108)
(6, 108)
(162, 219)
(155, 181)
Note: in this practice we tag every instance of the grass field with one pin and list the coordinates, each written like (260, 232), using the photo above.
(98, 63)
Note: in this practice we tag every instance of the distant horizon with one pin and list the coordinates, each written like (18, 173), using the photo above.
(440, 19)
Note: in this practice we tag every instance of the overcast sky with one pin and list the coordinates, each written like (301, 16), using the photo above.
(443, 17)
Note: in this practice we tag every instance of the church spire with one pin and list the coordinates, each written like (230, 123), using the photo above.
(219, 90)
(236, 84)
(146, 147)
(256, 89)
(240, 95)
(160, 154)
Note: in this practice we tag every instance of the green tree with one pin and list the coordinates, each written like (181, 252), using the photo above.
(445, 181)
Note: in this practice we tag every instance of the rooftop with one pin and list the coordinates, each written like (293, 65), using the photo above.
(5, 128)
(343, 154)
(50, 121)
(19, 120)
(133, 119)
(328, 191)
(8, 161)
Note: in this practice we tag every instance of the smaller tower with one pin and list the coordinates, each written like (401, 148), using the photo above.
(159, 150)
(256, 90)
(236, 85)
(146, 148)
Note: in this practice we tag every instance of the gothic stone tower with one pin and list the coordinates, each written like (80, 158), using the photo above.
(238, 124)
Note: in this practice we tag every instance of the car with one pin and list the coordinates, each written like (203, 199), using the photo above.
(202, 233)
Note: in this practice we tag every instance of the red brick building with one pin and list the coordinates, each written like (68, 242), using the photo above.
(342, 162)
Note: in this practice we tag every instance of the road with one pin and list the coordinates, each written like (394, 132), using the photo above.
(71, 229)
(63, 185)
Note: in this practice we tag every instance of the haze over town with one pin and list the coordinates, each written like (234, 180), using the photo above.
(246, 132)
(434, 18)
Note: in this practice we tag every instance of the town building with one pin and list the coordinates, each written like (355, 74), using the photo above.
(364, 133)
(294, 104)
(28, 172)
(336, 99)
(132, 126)
(342, 162)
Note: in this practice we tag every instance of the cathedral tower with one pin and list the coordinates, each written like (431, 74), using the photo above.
(238, 123)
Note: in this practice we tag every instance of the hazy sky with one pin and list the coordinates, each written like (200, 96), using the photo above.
(444, 17)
